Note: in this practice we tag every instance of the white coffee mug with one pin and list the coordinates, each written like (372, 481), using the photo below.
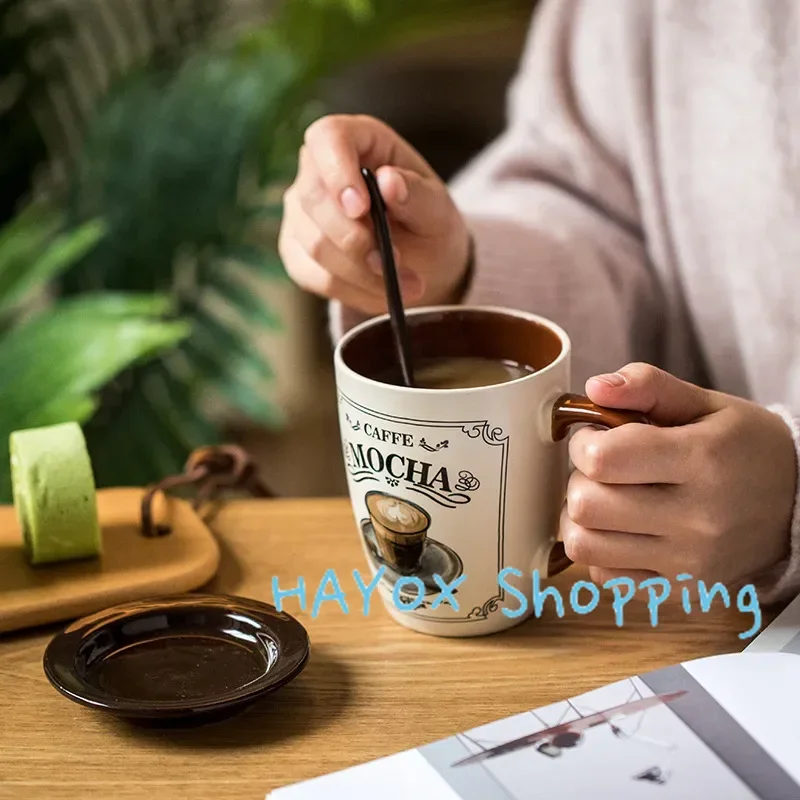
(450, 487)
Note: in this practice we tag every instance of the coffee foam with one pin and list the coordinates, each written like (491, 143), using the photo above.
(394, 511)
(461, 372)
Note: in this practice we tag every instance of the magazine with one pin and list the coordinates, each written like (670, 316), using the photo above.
(724, 726)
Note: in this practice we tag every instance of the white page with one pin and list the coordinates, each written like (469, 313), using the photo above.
(759, 690)
(403, 776)
(782, 635)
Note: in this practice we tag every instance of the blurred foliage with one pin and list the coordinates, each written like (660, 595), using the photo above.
(184, 162)
(170, 166)
(325, 36)
(27, 65)
(173, 42)
(55, 356)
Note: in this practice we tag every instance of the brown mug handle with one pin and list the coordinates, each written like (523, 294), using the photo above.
(576, 409)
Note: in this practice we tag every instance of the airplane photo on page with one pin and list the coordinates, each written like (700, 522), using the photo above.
(572, 727)
(621, 737)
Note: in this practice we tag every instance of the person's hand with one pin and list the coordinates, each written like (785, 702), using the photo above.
(326, 240)
(710, 494)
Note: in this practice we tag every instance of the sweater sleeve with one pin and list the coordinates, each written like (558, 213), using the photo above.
(783, 581)
(551, 205)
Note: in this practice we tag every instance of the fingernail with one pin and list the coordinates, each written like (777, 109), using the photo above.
(352, 202)
(402, 189)
(385, 180)
(612, 379)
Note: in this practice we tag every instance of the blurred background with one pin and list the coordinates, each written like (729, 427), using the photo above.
(146, 146)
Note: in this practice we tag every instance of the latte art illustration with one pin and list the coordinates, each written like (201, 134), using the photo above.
(398, 515)
(401, 529)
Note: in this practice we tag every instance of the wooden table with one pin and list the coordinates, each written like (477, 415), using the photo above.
(371, 687)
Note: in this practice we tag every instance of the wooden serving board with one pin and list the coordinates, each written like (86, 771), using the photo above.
(132, 566)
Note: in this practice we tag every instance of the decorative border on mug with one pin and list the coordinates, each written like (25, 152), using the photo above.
(492, 436)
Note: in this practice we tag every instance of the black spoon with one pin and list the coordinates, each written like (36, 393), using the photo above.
(394, 300)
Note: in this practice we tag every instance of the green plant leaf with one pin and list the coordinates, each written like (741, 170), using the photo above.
(236, 382)
(168, 161)
(148, 430)
(244, 397)
(78, 408)
(26, 233)
(182, 400)
(159, 450)
(54, 365)
(269, 211)
(29, 72)
(261, 261)
(228, 347)
(221, 355)
(76, 348)
(243, 300)
(30, 258)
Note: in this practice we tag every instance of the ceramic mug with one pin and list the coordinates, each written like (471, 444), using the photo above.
(450, 487)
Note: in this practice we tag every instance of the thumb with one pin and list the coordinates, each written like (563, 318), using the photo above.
(419, 203)
(662, 397)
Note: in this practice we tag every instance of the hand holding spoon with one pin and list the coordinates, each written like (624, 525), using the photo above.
(393, 297)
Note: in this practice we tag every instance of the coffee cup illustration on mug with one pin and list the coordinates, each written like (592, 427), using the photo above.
(401, 529)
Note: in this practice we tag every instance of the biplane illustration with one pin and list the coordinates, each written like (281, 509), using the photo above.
(553, 740)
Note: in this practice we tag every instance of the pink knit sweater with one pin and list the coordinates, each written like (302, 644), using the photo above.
(646, 196)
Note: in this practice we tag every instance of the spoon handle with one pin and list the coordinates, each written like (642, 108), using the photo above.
(394, 298)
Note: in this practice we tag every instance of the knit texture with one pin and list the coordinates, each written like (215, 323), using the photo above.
(782, 581)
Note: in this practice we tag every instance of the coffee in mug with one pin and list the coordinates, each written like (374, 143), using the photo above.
(400, 530)
(460, 481)
(464, 372)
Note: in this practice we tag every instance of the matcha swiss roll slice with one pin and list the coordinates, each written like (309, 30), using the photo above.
(54, 494)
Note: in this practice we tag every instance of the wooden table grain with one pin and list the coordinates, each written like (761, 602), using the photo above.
(371, 687)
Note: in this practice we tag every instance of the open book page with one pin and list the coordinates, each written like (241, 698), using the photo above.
(783, 635)
(716, 727)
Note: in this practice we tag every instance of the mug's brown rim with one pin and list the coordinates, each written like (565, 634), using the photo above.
(534, 319)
